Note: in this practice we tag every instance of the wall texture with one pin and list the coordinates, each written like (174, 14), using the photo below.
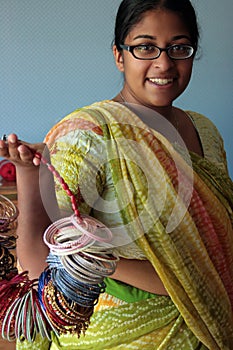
(56, 56)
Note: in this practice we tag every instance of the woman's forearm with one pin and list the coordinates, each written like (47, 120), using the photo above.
(37, 209)
(140, 274)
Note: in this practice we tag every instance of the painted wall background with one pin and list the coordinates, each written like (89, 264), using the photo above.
(55, 56)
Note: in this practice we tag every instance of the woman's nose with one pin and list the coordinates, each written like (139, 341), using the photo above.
(163, 62)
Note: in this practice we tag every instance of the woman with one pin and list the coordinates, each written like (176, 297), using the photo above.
(159, 182)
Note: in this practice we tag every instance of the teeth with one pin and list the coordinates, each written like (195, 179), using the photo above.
(159, 81)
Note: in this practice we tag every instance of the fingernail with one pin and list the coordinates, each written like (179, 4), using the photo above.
(12, 139)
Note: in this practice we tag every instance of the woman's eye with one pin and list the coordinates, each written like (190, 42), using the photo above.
(179, 48)
(145, 48)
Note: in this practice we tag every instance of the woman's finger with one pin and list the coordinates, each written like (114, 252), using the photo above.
(26, 155)
(13, 144)
(4, 149)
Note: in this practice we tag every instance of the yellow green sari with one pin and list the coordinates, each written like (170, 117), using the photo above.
(103, 145)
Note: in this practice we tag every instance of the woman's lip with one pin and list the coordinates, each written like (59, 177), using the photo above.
(161, 81)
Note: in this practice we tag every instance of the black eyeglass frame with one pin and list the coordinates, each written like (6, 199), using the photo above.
(131, 48)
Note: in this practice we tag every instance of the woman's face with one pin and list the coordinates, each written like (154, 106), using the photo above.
(158, 82)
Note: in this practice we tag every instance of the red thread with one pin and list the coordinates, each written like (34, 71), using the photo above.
(62, 182)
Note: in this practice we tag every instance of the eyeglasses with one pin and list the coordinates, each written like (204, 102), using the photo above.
(151, 52)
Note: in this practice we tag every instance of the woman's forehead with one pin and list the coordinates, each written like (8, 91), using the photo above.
(159, 23)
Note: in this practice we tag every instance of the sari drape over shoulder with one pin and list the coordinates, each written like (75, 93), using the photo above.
(175, 212)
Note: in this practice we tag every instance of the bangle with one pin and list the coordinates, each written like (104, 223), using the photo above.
(7, 328)
(59, 243)
(104, 269)
(58, 309)
(8, 241)
(7, 261)
(92, 228)
(68, 235)
(8, 212)
(82, 294)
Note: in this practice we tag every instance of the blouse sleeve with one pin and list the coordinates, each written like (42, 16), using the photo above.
(77, 153)
(212, 142)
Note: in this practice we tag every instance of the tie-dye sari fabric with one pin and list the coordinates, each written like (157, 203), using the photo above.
(170, 207)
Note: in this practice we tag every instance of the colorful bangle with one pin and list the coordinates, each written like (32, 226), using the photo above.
(58, 310)
(8, 212)
(59, 243)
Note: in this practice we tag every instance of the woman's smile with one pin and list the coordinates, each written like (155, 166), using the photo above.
(161, 81)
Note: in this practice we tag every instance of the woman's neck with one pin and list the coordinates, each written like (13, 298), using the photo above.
(168, 112)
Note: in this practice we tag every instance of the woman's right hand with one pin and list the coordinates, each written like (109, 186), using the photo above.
(21, 153)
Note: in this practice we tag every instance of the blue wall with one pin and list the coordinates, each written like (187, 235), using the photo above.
(56, 56)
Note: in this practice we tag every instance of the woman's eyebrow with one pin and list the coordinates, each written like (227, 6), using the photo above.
(182, 36)
(147, 36)
(144, 36)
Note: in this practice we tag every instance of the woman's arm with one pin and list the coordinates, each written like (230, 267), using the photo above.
(140, 274)
(32, 180)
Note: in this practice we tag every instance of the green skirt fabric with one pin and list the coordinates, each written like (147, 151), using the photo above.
(139, 320)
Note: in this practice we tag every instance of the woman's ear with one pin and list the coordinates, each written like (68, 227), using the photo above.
(118, 58)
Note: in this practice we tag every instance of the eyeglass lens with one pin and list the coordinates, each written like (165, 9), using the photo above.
(152, 52)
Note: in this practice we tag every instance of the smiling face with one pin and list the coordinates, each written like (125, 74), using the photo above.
(158, 82)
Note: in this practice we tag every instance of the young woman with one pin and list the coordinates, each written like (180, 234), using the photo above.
(158, 181)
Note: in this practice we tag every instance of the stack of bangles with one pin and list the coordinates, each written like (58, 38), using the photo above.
(62, 300)
(8, 215)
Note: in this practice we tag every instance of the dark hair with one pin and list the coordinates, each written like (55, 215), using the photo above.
(130, 12)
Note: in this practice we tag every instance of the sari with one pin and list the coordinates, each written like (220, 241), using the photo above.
(172, 209)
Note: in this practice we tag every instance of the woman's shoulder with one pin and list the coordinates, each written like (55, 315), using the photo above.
(88, 119)
(211, 139)
(202, 121)
(81, 120)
